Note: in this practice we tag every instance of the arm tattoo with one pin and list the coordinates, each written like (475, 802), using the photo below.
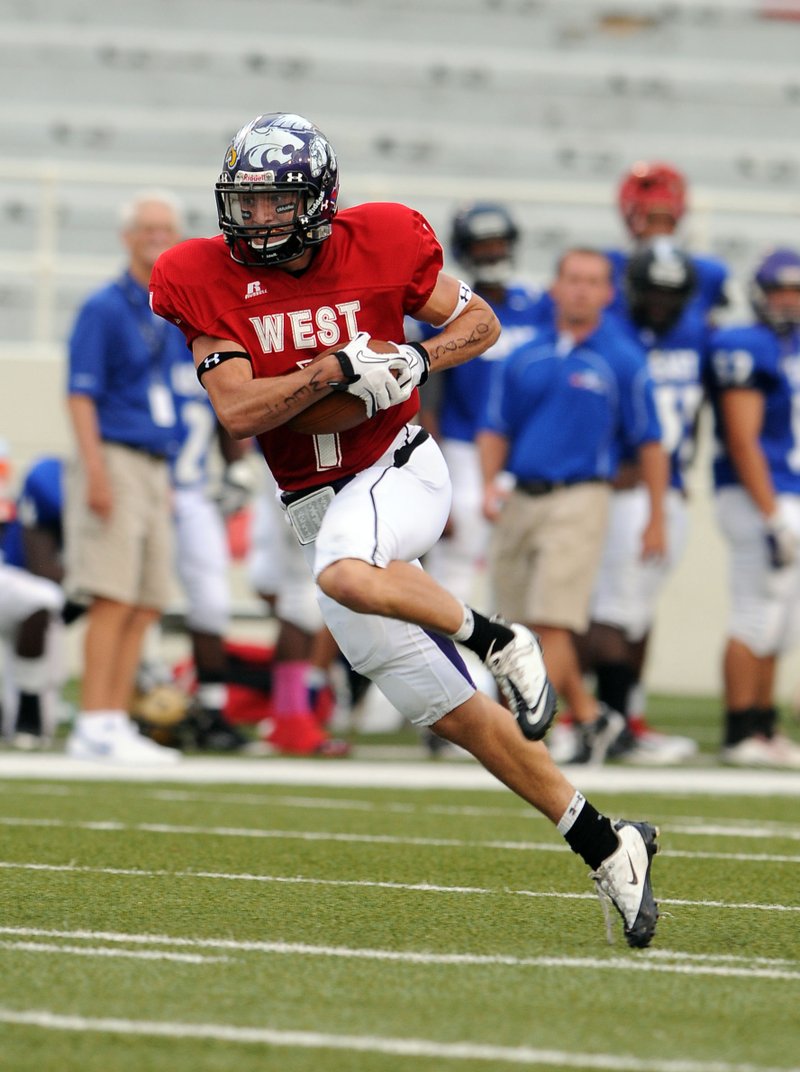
(463, 342)
(305, 392)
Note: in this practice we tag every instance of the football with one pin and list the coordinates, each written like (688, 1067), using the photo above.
(337, 412)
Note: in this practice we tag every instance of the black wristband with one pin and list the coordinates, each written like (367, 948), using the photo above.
(213, 360)
(348, 375)
(426, 359)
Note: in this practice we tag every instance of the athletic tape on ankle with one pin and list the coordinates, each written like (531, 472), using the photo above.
(567, 820)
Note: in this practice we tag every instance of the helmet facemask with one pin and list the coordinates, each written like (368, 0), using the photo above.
(263, 224)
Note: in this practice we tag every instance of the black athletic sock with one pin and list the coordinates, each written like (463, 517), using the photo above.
(484, 634)
(765, 721)
(29, 714)
(592, 836)
(739, 725)
(614, 684)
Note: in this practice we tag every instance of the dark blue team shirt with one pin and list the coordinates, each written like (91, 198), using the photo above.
(40, 505)
(678, 361)
(570, 411)
(119, 352)
(757, 358)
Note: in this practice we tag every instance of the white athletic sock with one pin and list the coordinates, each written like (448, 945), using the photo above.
(97, 724)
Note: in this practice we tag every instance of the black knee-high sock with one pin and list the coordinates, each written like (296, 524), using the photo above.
(614, 684)
(739, 725)
(766, 721)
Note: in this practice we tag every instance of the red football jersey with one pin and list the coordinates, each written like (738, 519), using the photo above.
(380, 263)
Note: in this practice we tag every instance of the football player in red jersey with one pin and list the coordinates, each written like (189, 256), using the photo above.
(289, 279)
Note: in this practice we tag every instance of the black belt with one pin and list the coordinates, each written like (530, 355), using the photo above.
(159, 457)
(544, 487)
(401, 456)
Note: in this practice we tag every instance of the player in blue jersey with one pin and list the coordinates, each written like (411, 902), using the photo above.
(666, 316)
(560, 410)
(30, 599)
(755, 385)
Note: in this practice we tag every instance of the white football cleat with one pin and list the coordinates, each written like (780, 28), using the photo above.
(624, 879)
(520, 673)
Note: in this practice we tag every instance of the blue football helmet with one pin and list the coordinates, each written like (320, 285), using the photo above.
(779, 270)
(483, 240)
(277, 192)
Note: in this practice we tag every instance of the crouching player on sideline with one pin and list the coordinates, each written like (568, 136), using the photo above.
(288, 280)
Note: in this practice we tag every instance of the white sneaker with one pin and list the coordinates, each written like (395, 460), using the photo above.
(624, 878)
(653, 749)
(519, 671)
(28, 742)
(786, 751)
(121, 745)
(759, 751)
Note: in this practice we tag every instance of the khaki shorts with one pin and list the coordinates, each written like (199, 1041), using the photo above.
(127, 558)
(545, 554)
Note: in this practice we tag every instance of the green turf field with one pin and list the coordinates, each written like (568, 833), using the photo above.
(198, 927)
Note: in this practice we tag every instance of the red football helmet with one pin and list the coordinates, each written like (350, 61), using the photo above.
(650, 189)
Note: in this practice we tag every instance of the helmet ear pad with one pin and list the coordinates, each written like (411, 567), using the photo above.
(278, 152)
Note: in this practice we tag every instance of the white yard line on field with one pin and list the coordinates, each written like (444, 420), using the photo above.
(405, 887)
(668, 963)
(396, 1047)
(105, 951)
(691, 825)
(114, 826)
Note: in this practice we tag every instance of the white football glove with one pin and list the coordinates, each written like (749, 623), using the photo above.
(781, 541)
(412, 365)
(368, 375)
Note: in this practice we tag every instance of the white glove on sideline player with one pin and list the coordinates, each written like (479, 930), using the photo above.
(369, 375)
(781, 541)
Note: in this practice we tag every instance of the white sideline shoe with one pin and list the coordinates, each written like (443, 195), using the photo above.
(653, 749)
(624, 878)
(520, 673)
(759, 751)
(120, 745)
